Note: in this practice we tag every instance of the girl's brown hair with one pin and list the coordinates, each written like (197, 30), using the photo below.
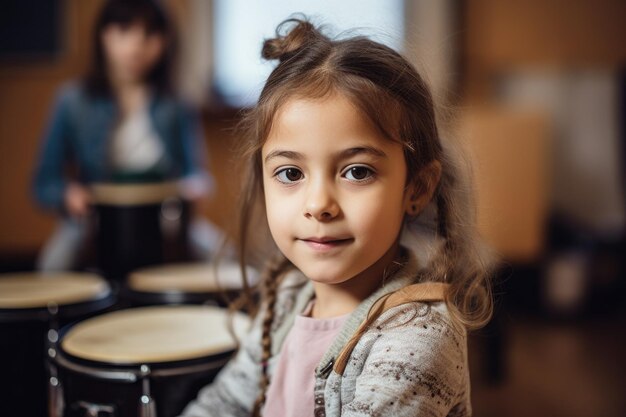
(389, 91)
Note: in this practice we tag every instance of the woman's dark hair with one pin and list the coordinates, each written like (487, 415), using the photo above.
(126, 12)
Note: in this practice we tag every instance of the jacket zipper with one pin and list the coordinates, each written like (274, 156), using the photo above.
(327, 368)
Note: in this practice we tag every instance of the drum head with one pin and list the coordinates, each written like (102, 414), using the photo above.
(154, 335)
(189, 278)
(37, 290)
(133, 194)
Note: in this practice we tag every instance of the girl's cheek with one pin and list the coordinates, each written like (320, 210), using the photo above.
(278, 208)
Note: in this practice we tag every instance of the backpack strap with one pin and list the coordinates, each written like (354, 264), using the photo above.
(423, 291)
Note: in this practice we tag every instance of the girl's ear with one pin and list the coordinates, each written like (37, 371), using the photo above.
(421, 190)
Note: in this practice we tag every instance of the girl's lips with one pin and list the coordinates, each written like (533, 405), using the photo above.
(325, 244)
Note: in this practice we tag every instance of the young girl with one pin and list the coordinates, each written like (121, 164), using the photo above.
(346, 161)
(121, 123)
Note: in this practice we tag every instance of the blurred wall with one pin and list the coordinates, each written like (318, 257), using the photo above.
(520, 149)
(503, 36)
(27, 90)
(494, 38)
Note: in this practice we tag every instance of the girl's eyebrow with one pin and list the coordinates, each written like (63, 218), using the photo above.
(346, 153)
(368, 150)
(285, 154)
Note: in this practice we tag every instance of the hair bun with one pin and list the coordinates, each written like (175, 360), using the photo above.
(300, 33)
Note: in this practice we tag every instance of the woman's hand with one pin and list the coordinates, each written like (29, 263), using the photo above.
(77, 200)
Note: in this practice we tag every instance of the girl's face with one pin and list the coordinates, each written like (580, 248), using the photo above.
(131, 51)
(334, 188)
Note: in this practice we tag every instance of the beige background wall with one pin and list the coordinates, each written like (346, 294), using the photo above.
(495, 37)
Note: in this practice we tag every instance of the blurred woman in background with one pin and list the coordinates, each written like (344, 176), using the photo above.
(121, 123)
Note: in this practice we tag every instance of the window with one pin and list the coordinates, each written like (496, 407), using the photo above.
(240, 26)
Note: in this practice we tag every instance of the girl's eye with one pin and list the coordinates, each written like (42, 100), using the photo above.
(358, 173)
(289, 175)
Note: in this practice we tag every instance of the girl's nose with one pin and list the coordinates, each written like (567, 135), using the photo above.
(320, 203)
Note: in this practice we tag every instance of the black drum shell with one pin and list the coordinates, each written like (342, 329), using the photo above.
(128, 237)
(23, 352)
(138, 298)
(172, 384)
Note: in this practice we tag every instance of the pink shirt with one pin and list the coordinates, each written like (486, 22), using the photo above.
(290, 392)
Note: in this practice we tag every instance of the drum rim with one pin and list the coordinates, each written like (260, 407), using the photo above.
(171, 296)
(157, 369)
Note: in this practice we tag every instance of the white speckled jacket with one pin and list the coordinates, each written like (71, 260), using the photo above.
(409, 359)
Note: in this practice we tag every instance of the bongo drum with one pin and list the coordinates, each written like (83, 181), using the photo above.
(147, 361)
(32, 307)
(186, 283)
(137, 225)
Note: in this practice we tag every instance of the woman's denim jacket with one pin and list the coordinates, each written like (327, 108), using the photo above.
(78, 135)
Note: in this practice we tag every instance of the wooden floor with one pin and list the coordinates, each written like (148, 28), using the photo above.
(571, 369)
